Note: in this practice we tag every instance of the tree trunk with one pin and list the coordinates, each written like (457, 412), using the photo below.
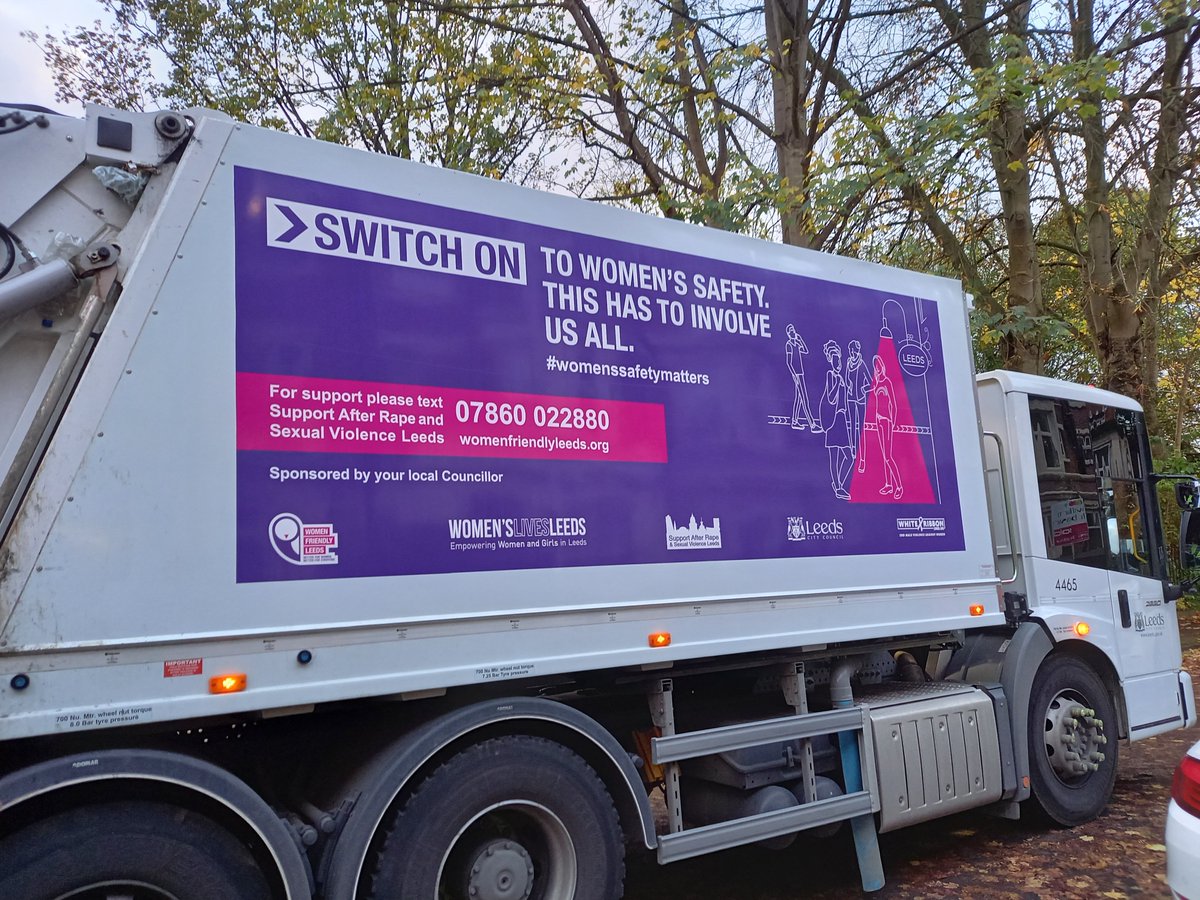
(1008, 147)
(1125, 292)
(787, 42)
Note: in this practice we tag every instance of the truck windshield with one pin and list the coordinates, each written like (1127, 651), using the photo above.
(1092, 466)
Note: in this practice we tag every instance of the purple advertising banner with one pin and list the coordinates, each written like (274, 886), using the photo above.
(423, 390)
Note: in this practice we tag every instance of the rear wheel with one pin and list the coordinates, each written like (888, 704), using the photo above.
(128, 851)
(1072, 760)
(512, 818)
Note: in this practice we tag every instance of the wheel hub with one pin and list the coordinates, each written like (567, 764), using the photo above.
(501, 870)
(1074, 737)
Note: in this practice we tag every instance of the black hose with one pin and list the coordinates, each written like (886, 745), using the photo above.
(30, 107)
(10, 250)
(14, 121)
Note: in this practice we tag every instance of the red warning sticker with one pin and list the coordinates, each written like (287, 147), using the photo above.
(174, 668)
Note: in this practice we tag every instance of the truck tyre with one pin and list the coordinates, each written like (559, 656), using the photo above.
(136, 850)
(513, 817)
(1072, 761)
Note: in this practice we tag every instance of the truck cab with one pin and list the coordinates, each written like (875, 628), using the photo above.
(1078, 534)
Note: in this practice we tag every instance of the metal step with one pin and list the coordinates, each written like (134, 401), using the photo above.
(673, 748)
(669, 749)
(707, 838)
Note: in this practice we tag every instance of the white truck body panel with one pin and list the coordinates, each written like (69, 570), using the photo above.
(120, 584)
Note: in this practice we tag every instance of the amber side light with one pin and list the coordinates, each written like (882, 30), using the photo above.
(1083, 629)
(977, 609)
(227, 684)
(660, 639)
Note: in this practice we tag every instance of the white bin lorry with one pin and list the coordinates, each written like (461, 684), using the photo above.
(374, 530)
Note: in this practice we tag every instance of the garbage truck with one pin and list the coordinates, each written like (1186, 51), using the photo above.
(373, 530)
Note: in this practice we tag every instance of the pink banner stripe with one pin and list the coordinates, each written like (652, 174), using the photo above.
(325, 415)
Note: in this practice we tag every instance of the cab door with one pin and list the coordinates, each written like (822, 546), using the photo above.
(1147, 630)
(1103, 539)
(1147, 634)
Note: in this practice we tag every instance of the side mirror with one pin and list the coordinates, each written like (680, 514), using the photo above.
(1187, 494)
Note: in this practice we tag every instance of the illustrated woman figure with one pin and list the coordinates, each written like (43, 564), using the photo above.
(858, 385)
(837, 428)
(796, 352)
(885, 424)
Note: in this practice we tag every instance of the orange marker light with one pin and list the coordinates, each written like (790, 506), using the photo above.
(977, 609)
(227, 684)
(1083, 629)
(660, 639)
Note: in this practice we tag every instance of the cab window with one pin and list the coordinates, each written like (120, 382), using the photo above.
(1092, 483)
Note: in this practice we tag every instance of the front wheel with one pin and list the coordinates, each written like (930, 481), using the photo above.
(1072, 741)
(512, 818)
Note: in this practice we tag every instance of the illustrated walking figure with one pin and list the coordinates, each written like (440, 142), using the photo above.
(858, 385)
(837, 428)
(796, 351)
(885, 424)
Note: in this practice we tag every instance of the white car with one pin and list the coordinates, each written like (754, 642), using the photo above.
(1183, 828)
